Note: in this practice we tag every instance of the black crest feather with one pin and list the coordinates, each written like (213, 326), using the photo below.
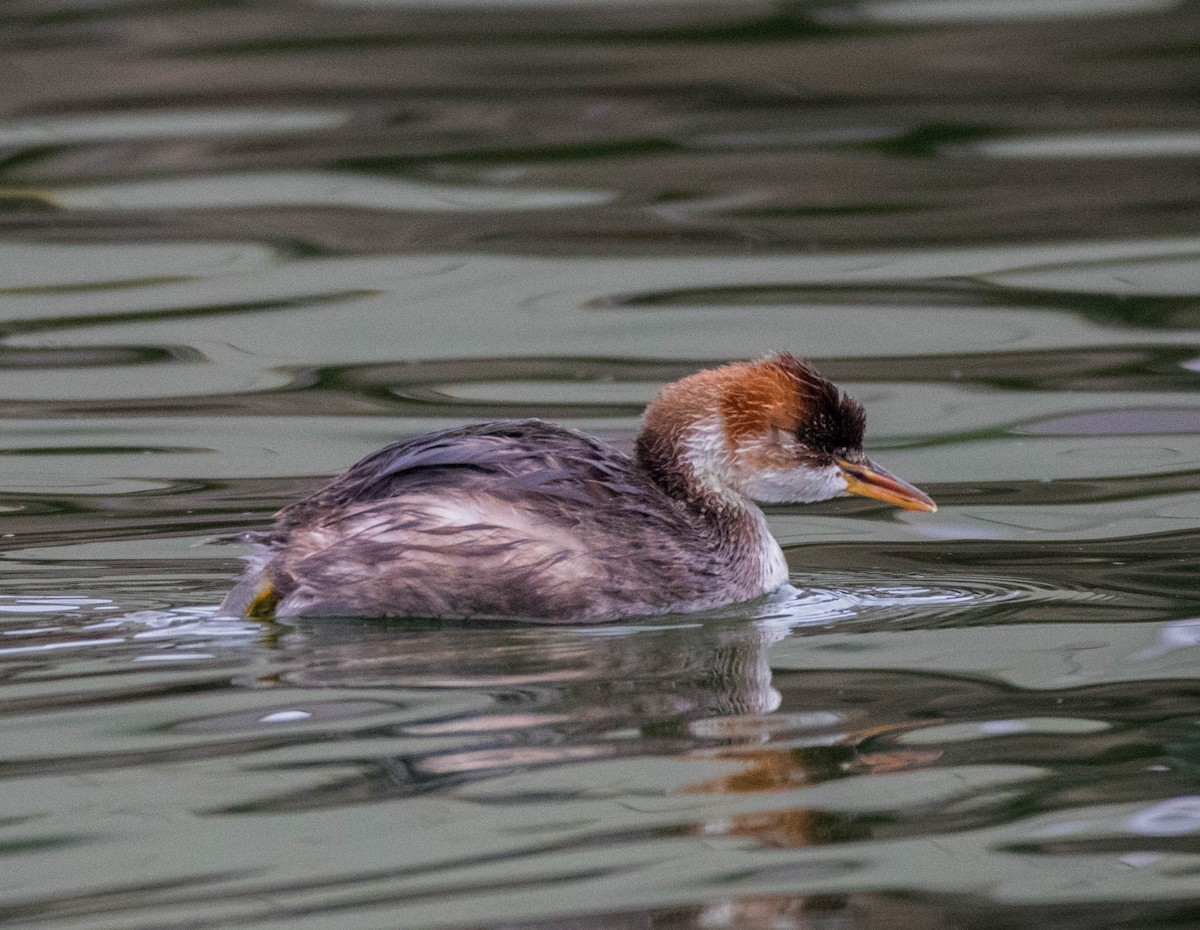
(835, 421)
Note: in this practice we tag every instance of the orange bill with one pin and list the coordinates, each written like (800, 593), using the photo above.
(869, 480)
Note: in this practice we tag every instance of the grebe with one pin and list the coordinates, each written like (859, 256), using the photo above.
(523, 519)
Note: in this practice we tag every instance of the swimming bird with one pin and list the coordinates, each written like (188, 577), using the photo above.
(524, 519)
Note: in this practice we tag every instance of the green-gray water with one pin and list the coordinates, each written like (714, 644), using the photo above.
(244, 243)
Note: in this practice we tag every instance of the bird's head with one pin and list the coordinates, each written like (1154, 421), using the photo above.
(772, 430)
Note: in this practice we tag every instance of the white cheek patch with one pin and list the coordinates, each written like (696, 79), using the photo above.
(795, 485)
(715, 469)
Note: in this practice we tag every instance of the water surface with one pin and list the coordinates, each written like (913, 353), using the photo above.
(243, 244)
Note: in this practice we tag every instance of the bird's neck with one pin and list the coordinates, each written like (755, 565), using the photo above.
(688, 463)
(688, 467)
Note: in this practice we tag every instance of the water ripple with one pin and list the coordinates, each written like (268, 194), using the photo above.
(243, 247)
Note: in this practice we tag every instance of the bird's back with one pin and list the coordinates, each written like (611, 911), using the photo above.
(500, 519)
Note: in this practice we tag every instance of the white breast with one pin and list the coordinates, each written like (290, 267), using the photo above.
(770, 556)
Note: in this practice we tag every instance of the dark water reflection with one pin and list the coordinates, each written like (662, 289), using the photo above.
(764, 770)
(243, 244)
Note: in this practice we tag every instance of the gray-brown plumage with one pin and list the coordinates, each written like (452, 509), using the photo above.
(526, 519)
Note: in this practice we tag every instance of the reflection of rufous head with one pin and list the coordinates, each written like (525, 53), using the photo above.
(778, 770)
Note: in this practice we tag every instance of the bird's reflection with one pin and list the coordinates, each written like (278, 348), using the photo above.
(595, 677)
(516, 716)
(520, 697)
